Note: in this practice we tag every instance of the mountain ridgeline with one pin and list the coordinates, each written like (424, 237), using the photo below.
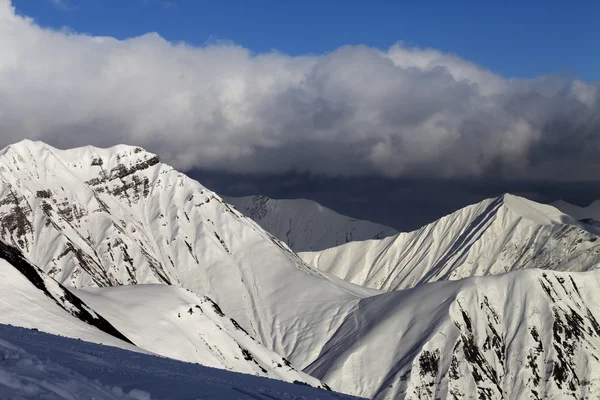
(498, 300)
(495, 236)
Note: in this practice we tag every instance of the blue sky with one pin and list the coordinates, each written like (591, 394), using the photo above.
(512, 38)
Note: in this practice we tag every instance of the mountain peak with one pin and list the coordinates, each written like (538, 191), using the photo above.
(542, 214)
(34, 147)
(491, 237)
(32, 160)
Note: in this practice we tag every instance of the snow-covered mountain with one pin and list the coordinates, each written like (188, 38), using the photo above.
(108, 217)
(159, 319)
(305, 225)
(97, 219)
(528, 334)
(489, 238)
(174, 322)
(37, 365)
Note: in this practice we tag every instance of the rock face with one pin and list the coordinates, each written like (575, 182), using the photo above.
(305, 225)
(492, 237)
(127, 231)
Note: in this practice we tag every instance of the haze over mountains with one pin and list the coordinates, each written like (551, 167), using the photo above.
(150, 260)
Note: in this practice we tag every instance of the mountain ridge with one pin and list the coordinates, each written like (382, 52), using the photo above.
(125, 229)
(494, 236)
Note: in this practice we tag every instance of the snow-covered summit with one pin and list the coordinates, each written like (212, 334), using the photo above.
(492, 237)
(305, 225)
(85, 162)
(539, 213)
(108, 217)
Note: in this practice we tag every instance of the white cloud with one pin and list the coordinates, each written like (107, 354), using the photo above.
(62, 4)
(357, 110)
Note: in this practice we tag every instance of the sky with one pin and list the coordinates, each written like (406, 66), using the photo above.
(459, 95)
(513, 38)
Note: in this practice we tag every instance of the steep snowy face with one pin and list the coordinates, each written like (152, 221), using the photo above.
(305, 225)
(175, 322)
(96, 217)
(524, 335)
(492, 237)
(161, 319)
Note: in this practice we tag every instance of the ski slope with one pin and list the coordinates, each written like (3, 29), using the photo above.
(492, 237)
(176, 323)
(38, 365)
(305, 225)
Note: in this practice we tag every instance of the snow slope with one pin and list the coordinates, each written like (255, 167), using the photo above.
(176, 323)
(305, 225)
(41, 366)
(492, 237)
(164, 320)
(528, 334)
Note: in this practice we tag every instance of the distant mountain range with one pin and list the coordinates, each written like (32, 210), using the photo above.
(305, 225)
(589, 215)
(112, 246)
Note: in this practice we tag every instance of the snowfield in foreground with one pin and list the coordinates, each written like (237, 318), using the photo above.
(43, 366)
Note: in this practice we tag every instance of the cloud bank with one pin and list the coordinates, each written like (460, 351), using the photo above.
(355, 111)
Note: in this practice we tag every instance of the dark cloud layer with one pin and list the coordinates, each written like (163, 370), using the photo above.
(403, 203)
(358, 111)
